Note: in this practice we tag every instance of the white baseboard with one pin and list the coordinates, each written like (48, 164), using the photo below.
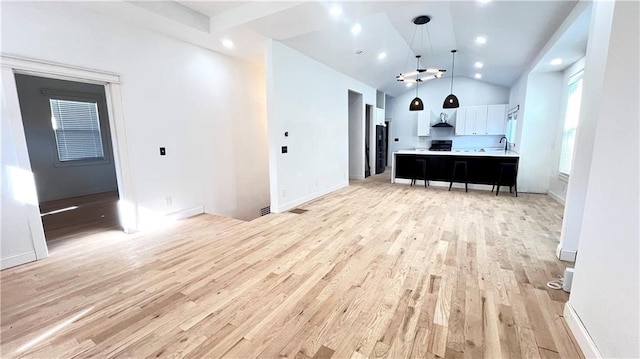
(579, 332)
(17, 260)
(295, 203)
(566, 254)
(186, 213)
(556, 197)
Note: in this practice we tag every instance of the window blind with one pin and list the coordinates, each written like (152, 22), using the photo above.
(77, 130)
(571, 123)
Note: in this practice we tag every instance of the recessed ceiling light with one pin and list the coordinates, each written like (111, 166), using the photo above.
(478, 65)
(227, 43)
(483, 1)
(481, 40)
(409, 84)
(382, 55)
(355, 29)
(335, 10)
(478, 76)
(556, 62)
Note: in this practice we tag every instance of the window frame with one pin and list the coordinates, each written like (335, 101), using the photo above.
(103, 120)
(573, 78)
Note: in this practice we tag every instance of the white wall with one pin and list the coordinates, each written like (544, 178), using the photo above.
(558, 184)
(592, 82)
(404, 123)
(207, 109)
(310, 101)
(606, 287)
(544, 92)
(538, 158)
(356, 136)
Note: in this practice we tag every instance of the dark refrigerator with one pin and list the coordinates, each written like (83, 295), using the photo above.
(381, 148)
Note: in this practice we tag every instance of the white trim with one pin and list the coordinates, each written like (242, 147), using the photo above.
(556, 197)
(291, 205)
(563, 177)
(580, 333)
(23, 65)
(17, 260)
(13, 117)
(186, 213)
(566, 254)
(120, 150)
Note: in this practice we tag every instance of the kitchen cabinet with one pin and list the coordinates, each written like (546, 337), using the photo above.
(496, 116)
(424, 122)
(481, 120)
(461, 120)
(481, 169)
(471, 120)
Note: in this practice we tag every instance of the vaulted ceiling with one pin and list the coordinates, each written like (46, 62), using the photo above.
(515, 32)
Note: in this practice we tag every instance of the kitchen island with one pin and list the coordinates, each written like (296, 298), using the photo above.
(483, 168)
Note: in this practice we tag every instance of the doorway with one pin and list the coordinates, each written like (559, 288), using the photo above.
(69, 144)
(368, 124)
(356, 136)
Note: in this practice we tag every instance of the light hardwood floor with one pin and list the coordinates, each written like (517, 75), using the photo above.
(371, 270)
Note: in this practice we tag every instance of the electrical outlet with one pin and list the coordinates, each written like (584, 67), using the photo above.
(169, 201)
(284, 193)
(316, 183)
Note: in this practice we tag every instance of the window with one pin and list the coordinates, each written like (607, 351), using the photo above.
(77, 130)
(571, 123)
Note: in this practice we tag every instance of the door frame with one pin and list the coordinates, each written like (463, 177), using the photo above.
(12, 65)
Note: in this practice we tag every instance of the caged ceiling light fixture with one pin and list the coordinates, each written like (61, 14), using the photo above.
(418, 76)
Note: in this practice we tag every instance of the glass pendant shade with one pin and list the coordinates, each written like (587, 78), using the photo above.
(417, 105)
(451, 102)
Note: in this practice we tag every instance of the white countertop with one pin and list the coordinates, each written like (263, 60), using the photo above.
(500, 153)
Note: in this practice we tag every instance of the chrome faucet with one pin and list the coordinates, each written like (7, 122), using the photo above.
(506, 144)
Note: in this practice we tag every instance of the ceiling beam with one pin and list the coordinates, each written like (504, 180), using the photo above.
(247, 13)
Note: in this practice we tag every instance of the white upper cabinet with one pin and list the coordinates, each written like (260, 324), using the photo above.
(424, 122)
(461, 120)
(481, 120)
(480, 127)
(471, 120)
(496, 119)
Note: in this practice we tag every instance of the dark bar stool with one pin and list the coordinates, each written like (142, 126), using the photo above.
(457, 164)
(420, 171)
(508, 172)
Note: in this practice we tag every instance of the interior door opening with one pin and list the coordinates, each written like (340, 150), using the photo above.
(356, 119)
(367, 139)
(69, 143)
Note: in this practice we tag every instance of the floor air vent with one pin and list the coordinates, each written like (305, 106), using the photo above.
(264, 211)
(298, 210)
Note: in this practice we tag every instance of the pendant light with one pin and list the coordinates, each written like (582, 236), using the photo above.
(416, 103)
(451, 101)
